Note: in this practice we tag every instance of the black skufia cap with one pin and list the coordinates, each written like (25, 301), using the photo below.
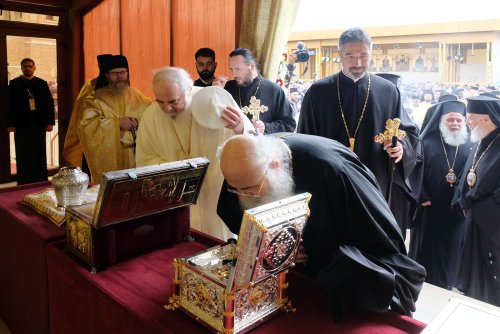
(103, 57)
(485, 105)
(448, 97)
(102, 60)
(113, 62)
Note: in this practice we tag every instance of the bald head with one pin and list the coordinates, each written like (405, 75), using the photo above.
(242, 161)
(254, 167)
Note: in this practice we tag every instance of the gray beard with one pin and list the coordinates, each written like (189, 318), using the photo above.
(119, 87)
(478, 134)
(453, 138)
(281, 186)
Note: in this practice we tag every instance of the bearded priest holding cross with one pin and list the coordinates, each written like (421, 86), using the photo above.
(352, 106)
(263, 101)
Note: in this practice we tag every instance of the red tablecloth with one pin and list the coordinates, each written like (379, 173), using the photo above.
(129, 297)
(23, 272)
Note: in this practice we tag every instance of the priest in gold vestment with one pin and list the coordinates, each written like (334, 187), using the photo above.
(72, 154)
(188, 122)
(109, 122)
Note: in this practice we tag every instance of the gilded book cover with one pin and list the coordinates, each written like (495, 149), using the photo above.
(231, 288)
(136, 210)
(132, 193)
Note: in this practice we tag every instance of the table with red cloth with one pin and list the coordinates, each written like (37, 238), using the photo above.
(128, 297)
(24, 233)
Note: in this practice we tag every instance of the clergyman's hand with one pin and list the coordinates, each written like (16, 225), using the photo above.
(128, 123)
(220, 81)
(394, 152)
(259, 126)
(234, 119)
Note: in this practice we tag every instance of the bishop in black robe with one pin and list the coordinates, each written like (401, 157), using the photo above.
(279, 116)
(438, 233)
(432, 109)
(354, 246)
(321, 116)
(479, 275)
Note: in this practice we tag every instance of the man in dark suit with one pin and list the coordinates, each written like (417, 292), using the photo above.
(30, 114)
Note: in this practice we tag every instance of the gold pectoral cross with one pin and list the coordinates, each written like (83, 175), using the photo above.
(254, 109)
(352, 140)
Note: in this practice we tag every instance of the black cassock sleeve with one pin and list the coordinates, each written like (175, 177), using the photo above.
(369, 270)
(229, 210)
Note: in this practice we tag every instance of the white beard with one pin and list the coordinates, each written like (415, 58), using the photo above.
(281, 186)
(453, 138)
(478, 134)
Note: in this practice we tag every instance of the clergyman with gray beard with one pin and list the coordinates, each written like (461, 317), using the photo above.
(107, 128)
(438, 231)
(352, 243)
(478, 196)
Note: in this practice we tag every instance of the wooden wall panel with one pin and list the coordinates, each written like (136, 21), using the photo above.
(156, 33)
(202, 23)
(101, 31)
(145, 39)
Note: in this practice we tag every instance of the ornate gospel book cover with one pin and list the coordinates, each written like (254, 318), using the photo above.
(233, 287)
(136, 210)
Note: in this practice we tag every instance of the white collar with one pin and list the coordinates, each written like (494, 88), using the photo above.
(353, 79)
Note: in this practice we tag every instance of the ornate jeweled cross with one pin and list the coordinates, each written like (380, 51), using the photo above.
(391, 130)
(255, 109)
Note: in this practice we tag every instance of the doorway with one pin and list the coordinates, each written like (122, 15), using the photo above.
(44, 52)
(43, 43)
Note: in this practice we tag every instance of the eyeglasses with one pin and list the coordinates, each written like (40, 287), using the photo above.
(116, 74)
(247, 190)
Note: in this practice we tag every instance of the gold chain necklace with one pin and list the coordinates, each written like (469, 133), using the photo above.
(352, 139)
(187, 153)
(450, 177)
(471, 176)
(254, 94)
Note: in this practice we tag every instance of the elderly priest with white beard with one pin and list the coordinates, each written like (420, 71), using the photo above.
(438, 231)
(478, 195)
(353, 244)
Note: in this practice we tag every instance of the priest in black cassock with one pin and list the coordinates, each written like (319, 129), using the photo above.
(30, 114)
(264, 102)
(478, 195)
(352, 106)
(438, 233)
(352, 241)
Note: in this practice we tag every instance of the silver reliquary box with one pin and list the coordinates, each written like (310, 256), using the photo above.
(231, 288)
